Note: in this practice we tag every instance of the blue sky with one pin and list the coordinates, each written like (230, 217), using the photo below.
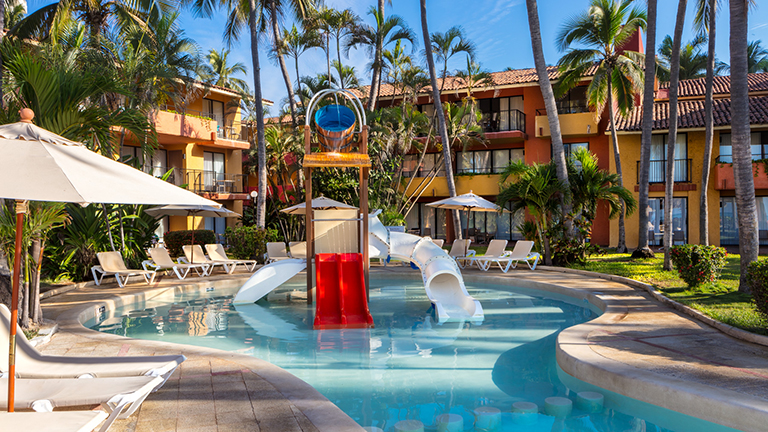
(499, 28)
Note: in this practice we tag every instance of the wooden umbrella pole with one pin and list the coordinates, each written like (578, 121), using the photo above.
(21, 208)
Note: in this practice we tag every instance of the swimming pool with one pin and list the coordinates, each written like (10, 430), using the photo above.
(408, 367)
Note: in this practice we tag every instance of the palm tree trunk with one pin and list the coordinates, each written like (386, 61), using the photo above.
(558, 153)
(674, 78)
(34, 296)
(281, 61)
(2, 71)
(298, 83)
(621, 246)
(338, 54)
(261, 202)
(708, 133)
(643, 251)
(741, 140)
(440, 118)
(373, 93)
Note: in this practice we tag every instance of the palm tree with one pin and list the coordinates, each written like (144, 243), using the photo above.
(219, 72)
(347, 77)
(474, 76)
(757, 57)
(394, 64)
(590, 185)
(342, 25)
(558, 152)
(604, 29)
(740, 139)
(693, 63)
(448, 44)
(13, 13)
(705, 23)
(294, 44)
(441, 125)
(374, 39)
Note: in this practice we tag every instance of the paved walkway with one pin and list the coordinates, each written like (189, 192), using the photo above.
(639, 347)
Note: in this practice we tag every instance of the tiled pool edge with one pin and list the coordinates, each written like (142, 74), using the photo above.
(321, 412)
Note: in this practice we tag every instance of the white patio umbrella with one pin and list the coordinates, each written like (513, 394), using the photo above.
(319, 203)
(39, 165)
(467, 202)
(191, 210)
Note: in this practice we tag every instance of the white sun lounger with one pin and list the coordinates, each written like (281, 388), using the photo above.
(299, 250)
(119, 397)
(217, 253)
(112, 264)
(161, 260)
(276, 251)
(494, 254)
(521, 252)
(30, 363)
(60, 421)
(200, 258)
(438, 242)
(461, 253)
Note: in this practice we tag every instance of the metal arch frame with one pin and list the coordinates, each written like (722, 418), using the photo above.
(356, 104)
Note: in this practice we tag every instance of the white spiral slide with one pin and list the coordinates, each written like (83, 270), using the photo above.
(442, 278)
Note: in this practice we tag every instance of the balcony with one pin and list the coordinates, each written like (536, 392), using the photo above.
(211, 184)
(724, 176)
(657, 172)
(578, 123)
(181, 128)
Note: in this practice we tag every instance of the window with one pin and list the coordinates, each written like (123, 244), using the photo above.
(213, 170)
(218, 226)
(502, 158)
(575, 101)
(156, 166)
(570, 148)
(487, 161)
(759, 141)
(215, 110)
(658, 168)
(423, 220)
(502, 114)
(411, 170)
(132, 156)
(729, 223)
(503, 226)
(656, 220)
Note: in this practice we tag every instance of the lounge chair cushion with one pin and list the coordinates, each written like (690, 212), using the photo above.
(60, 421)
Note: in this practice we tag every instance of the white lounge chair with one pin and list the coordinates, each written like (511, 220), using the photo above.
(161, 260)
(30, 363)
(522, 252)
(217, 253)
(461, 253)
(276, 251)
(494, 254)
(200, 258)
(112, 264)
(438, 242)
(119, 397)
(299, 250)
(59, 421)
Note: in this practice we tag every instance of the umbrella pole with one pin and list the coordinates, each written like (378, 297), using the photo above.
(21, 208)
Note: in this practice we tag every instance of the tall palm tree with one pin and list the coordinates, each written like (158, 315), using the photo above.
(448, 44)
(394, 63)
(669, 187)
(379, 36)
(590, 185)
(757, 57)
(740, 139)
(294, 44)
(441, 126)
(473, 77)
(604, 29)
(558, 152)
(342, 25)
(220, 72)
(347, 77)
(693, 63)
(13, 13)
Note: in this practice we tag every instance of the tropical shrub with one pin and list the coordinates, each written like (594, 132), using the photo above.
(570, 249)
(698, 264)
(174, 240)
(249, 242)
(757, 277)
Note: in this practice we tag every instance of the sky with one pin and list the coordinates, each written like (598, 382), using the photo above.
(498, 28)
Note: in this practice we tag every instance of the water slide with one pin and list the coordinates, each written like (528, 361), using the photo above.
(341, 299)
(442, 278)
(268, 278)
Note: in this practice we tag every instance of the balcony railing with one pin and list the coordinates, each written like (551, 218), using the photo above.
(512, 120)
(202, 181)
(570, 109)
(657, 172)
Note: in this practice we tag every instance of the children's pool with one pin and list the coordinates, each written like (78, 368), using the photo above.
(408, 367)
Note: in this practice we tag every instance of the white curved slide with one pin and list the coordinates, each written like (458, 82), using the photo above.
(268, 278)
(442, 278)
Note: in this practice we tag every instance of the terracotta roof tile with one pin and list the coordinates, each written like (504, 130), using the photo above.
(721, 85)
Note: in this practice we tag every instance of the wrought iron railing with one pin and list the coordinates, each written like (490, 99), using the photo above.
(657, 171)
(512, 120)
(200, 181)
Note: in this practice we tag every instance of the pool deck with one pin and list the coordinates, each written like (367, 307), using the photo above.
(639, 347)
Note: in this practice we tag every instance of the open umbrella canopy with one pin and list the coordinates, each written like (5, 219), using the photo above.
(319, 203)
(191, 210)
(39, 165)
(467, 201)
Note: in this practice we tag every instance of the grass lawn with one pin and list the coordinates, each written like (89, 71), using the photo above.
(720, 300)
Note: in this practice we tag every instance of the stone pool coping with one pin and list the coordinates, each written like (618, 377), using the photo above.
(580, 352)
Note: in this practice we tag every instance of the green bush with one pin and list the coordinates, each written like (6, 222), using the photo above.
(249, 242)
(757, 277)
(698, 264)
(174, 240)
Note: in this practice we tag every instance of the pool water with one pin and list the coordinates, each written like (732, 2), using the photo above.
(408, 367)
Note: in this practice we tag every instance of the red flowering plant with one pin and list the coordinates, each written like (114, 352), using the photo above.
(698, 264)
(757, 277)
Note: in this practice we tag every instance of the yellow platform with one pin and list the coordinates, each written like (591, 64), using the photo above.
(320, 160)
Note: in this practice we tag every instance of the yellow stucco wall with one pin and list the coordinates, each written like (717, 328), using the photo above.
(629, 148)
(480, 184)
(577, 124)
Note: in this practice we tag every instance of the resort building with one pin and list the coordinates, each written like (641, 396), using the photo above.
(203, 143)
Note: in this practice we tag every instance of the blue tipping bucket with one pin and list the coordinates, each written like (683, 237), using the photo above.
(335, 125)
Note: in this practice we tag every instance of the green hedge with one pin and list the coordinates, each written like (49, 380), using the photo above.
(757, 277)
(698, 264)
(249, 242)
(174, 240)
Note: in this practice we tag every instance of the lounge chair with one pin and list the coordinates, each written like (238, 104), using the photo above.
(461, 253)
(59, 421)
(119, 397)
(161, 260)
(438, 242)
(196, 252)
(299, 250)
(30, 363)
(217, 253)
(494, 254)
(112, 264)
(522, 252)
(276, 251)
